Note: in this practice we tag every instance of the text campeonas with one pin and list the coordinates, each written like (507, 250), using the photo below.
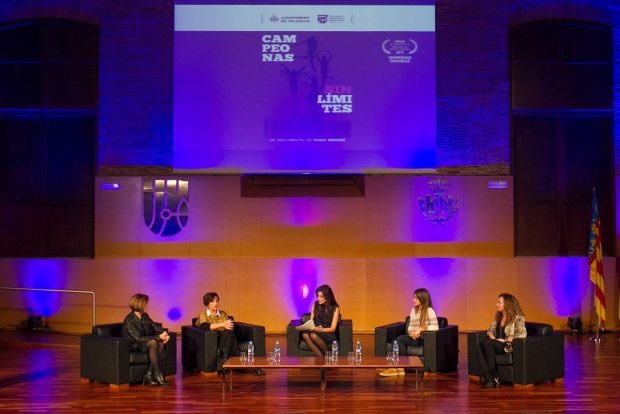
(276, 48)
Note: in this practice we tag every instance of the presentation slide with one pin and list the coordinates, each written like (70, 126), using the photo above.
(304, 88)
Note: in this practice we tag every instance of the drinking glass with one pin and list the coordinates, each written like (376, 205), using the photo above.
(351, 357)
(335, 358)
(328, 357)
(271, 358)
(243, 357)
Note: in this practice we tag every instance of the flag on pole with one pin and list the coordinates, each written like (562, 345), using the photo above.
(595, 259)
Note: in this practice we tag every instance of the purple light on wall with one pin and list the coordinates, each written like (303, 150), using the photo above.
(164, 280)
(438, 276)
(569, 281)
(44, 274)
(174, 314)
(303, 280)
(302, 212)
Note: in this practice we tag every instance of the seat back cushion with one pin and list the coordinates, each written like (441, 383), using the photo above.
(112, 329)
(538, 329)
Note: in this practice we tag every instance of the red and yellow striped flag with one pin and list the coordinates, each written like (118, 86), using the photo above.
(595, 259)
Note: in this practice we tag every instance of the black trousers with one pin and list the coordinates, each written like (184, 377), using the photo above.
(487, 350)
(227, 343)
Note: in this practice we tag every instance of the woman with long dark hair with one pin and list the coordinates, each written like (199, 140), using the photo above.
(421, 318)
(146, 336)
(509, 323)
(326, 317)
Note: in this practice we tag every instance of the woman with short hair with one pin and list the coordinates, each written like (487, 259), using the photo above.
(215, 319)
(146, 336)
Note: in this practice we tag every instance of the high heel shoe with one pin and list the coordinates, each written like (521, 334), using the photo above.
(148, 378)
(160, 379)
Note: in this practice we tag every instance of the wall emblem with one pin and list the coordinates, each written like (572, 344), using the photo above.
(438, 206)
(166, 205)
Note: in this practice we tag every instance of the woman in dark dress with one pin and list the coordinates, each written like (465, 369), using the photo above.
(146, 336)
(326, 317)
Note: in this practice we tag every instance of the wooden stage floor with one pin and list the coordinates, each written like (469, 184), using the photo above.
(40, 373)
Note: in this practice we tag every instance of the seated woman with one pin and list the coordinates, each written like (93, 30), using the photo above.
(508, 324)
(326, 317)
(421, 318)
(212, 318)
(146, 336)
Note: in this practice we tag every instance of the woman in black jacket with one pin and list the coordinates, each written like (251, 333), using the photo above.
(146, 336)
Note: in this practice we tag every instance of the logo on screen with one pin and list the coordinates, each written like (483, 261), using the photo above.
(274, 19)
(166, 205)
(399, 50)
(330, 18)
(439, 206)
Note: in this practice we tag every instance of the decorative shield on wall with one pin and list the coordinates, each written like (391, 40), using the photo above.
(439, 206)
(166, 205)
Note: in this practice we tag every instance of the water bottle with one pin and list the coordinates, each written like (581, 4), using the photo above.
(335, 350)
(276, 352)
(251, 352)
(358, 351)
(395, 350)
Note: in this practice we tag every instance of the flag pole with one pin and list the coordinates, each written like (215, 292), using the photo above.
(597, 339)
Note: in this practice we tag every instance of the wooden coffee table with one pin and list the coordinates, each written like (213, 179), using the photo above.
(367, 362)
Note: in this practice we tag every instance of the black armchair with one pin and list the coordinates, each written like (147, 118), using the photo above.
(199, 347)
(440, 352)
(537, 358)
(105, 357)
(296, 346)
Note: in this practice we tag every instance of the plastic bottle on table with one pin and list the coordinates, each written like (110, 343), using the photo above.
(276, 352)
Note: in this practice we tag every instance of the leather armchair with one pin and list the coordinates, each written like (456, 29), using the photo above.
(296, 346)
(105, 357)
(199, 347)
(537, 358)
(439, 353)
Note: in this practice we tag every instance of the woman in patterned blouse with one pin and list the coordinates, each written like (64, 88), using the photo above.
(508, 324)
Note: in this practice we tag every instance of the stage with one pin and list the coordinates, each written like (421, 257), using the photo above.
(41, 374)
